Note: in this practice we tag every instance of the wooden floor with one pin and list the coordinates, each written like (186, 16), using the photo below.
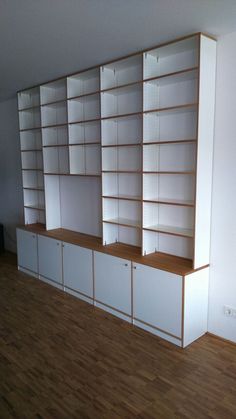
(62, 358)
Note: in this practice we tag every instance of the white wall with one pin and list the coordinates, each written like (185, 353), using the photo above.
(11, 203)
(223, 238)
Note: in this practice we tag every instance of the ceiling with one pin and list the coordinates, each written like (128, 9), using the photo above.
(42, 40)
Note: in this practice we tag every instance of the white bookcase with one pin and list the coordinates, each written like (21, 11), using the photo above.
(125, 150)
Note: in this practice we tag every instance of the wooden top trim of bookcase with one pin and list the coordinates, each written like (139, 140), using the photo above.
(169, 263)
(121, 58)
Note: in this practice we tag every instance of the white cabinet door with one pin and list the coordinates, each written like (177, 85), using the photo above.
(50, 258)
(27, 250)
(157, 298)
(113, 281)
(78, 269)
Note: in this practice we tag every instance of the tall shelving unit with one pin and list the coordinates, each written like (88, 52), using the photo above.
(125, 149)
(31, 156)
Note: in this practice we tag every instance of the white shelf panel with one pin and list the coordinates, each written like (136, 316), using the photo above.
(85, 159)
(113, 233)
(54, 114)
(167, 243)
(53, 91)
(31, 140)
(124, 221)
(84, 108)
(170, 126)
(29, 98)
(127, 130)
(171, 91)
(169, 157)
(173, 218)
(122, 212)
(121, 158)
(170, 58)
(32, 160)
(32, 179)
(88, 132)
(83, 83)
(30, 118)
(121, 72)
(126, 184)
(34, 216)
(56, 160)
(174, 188)
(121, 101)
(185, 232)
(55, 136)
(33, 198)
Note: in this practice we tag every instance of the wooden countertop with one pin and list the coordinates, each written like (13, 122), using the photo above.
(163, 261)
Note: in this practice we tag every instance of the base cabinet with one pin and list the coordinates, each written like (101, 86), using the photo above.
(112, 278)
(171, 306)
(78, 269)
(27, 250)
(157, 299)
(50, 259)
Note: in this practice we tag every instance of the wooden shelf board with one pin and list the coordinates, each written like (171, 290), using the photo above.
(123, 197)
(122, 145)
(122, 171)
(124, 222)
(34, 207)
(55, 145)
(54, 102)
(71, 174)
(169, 142)
(169, 173)
(184, 75)
(169, 201)
(32, 170)
(84, 121)
(29, 108)
(31, 129)
(95, 93)
(163, 261)
(175, 231)
(32, 150)
(33, 189)
(54, 125)
(84, 144)
(172, 74)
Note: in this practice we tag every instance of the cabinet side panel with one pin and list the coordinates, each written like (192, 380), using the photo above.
(205, 151)
(52, 202)
(195, 305)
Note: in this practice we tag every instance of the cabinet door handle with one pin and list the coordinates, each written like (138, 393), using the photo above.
(126, 264)
(33, 235)
(63, 245)
(58, 244)
(135, 267)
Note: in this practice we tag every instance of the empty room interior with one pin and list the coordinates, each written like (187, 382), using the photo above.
(117, 209)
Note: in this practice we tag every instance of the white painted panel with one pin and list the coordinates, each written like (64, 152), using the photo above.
(205, 151)
(50, 258)
(81, 204)
(27, 250)
(195, 305)
(157, 298)
(52, 200)
(113, 281)
(78, 269)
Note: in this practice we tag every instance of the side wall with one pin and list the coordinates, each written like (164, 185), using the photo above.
(223, 227)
